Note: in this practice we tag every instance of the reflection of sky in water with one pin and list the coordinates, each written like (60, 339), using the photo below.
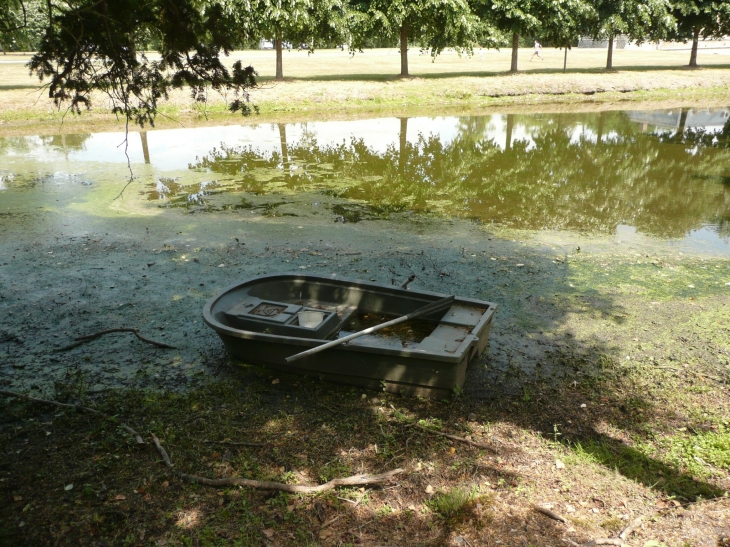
(705, 239)
(171, 149)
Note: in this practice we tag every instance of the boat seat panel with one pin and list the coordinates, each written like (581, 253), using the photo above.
(463, 316)
(444, 339)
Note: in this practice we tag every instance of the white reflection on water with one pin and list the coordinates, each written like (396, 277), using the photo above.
(172, 149)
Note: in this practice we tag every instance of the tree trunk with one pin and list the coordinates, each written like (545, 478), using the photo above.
(515, 47)
(508, 132)
(609, 59)
(601, 121)
(565, 59)
(145, 148)
(695, 44)
(682, 122)
(279, 59)
(403, 143)
(284, 149)
(404, 50)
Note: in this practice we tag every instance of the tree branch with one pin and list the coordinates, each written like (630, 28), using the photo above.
(81, 339)
(355, 480)
(454, 437)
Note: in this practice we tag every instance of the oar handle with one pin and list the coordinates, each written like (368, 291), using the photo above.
(429, 308)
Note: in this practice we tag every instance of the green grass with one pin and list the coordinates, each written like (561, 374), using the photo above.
(330, 84)
(451, 503)
(670, 470)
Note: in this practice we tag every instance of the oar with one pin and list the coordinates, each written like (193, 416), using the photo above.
(429, 308)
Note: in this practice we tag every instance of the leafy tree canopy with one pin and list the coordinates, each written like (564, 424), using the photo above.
(433, 24)
(93, 46)
(296, 21)
(564, 21)
(640, 20)
(706, 18)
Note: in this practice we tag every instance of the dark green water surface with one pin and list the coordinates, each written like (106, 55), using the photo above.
(663, 173)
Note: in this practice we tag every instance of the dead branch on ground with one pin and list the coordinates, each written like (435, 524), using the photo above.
(547, 512)
(603, 541)
(355, 480)
(630, 528)
(233, 443)
(137, 436)
(82, 339)
(455, 438)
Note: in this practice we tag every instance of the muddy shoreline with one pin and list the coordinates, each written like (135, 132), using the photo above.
(64, 277)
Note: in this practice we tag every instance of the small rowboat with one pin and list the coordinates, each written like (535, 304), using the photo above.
(268, 319)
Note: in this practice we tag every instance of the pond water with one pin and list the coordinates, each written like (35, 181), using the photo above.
(662, 174)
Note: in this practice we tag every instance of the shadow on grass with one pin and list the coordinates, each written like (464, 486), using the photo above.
(636, 466)
(365, 77)
(18, 87)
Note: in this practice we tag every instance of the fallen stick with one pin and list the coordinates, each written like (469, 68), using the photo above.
(355, 480)
(137, 436)
(331, 521)
(162, 451)
(454, 437)
(630, 528)
(81, 339)
(547, 512)
(233, 443)
(603, 541)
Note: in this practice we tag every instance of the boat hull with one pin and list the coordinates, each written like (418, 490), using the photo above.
(433, 367)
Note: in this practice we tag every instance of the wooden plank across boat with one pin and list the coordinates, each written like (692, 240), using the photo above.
(268, 318)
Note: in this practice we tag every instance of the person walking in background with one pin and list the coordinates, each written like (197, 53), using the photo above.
(537, 51)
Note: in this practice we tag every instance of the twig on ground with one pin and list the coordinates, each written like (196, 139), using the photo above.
(331, 521)
(355, 480)
(547, 512)
(353, 502)
(161, 450)
(603, 541)
(81, 339)
(630, 528)
(360, 526)
(233, 443)
(137, 436)
(454, 437)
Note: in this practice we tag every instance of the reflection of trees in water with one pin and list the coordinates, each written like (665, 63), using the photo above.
(66, 143)
(33, 175)
(62, 143)
(610, 173)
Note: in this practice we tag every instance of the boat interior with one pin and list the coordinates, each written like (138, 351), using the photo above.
(328, 309)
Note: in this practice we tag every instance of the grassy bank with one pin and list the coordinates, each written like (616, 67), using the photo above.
(331, 84)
